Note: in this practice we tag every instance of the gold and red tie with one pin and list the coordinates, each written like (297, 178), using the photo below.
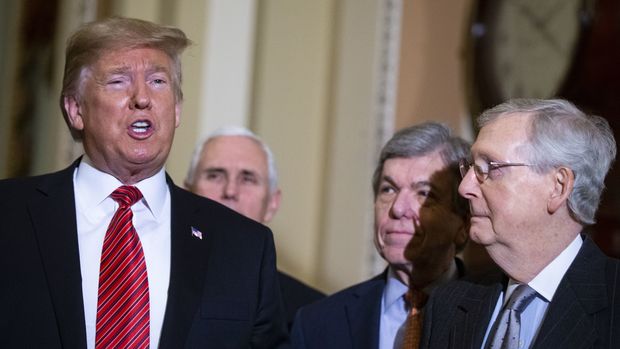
(123, 298)
(415, 300)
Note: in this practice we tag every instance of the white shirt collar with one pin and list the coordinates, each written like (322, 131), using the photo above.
(92, 195)
(548, 280)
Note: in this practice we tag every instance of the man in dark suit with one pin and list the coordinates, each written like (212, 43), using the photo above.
(237, 169)
(109, 252)
(534, 183)
(416, 209)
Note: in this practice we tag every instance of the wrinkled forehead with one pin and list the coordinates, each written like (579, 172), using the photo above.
(128, 58)
(429, 169)
(235, 153)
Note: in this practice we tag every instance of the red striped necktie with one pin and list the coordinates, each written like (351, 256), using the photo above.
(123, 299)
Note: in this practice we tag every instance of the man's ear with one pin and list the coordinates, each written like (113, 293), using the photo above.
(563, 182)
(272, 206)
(177, 113)
(74, 112)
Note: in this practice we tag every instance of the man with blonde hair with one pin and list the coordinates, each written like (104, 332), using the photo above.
(110, 253)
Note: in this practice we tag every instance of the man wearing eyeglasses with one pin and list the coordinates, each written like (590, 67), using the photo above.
(534, 184)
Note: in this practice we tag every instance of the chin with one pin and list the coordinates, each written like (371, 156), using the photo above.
(481, 237)
(147, 157)
(395, 256)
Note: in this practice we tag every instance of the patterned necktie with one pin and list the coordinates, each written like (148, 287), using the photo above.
(505, 332)
(415, 300)
(123, 300)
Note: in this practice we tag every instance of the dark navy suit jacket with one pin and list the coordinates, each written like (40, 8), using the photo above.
(348, 319)
(296, 294)
(223, 291)
(584, 312)
(345, 320)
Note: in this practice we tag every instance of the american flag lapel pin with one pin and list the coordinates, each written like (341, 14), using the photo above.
(196, 233)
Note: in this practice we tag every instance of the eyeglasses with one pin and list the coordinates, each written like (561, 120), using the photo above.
(485, 171)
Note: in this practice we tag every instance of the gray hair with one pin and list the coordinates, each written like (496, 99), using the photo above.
(230, 131)
(562, 135)
(423, 139)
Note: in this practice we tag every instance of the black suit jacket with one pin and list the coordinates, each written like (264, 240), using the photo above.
(295, 295)
(345, 320)
(584, 312)
(223, 290)
(349, 319)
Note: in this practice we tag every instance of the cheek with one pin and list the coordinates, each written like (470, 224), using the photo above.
(252, 195)
(379, 231)
(449, 221)
(206, 188)
(378, 236)
(382, 212)
(109, 102)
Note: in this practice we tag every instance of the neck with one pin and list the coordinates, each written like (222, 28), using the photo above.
(524, 264)
(422, 276)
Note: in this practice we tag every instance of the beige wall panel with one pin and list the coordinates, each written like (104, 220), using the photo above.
(347, 233)
(431, 85)
(143, 9)
(292, 86)
(191, 17)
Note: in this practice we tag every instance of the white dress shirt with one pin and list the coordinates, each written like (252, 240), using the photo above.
(151, 218)
(545, 284)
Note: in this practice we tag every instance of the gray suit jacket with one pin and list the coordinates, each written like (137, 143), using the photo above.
(584, 313)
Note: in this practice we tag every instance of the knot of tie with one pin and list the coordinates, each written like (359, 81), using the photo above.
(521, 298)
(126, 195)
(415, 299)
(506, 332)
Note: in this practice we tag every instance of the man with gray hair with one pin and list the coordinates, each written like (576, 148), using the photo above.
(534, 183)
(237, 169)
(420, 225)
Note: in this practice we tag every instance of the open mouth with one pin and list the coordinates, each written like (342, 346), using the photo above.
(141, 127)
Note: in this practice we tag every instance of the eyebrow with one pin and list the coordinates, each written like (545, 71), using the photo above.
(157, 69)
(483, 155)
(215, 170)
(250, 172)
(415, 185)
(151, 69)
(225, 171)
(119, 70)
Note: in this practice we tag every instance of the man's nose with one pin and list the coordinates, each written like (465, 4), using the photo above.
(469, 187)
(231, 190)
(405, 205)
(141, 98)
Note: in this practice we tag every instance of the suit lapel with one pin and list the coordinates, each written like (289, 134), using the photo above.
(581, 293)
(474, 311)
(189, 255)
(363, 312)
(52, 210)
